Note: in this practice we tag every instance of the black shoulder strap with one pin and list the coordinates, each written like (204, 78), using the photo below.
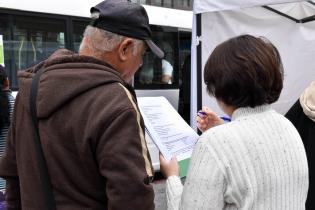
(48, 196)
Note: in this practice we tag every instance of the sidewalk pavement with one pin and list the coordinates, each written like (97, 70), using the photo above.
(160, 197)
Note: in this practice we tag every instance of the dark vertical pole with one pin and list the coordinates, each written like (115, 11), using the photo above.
(69, 42)
(13, 70)
(199, 64)
(177, 58)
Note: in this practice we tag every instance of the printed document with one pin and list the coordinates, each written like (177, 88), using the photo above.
(170, 133)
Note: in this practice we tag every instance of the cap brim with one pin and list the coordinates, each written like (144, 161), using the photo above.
(155, 49)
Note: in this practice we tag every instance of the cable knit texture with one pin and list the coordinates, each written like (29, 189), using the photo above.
(255, 162)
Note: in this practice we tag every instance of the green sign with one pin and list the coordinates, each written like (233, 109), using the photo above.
(1, 51)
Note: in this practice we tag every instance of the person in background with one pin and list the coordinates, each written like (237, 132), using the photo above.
(155, 70)
(90, 127)
(256, 161)
(302, 116)
(6, 110)
(167, 72)
(163, 68)
(160, 71)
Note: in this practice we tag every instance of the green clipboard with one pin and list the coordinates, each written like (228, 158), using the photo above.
(183, 167)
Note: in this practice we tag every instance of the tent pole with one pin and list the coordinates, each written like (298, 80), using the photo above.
(282, 14)
(311, 2)
(304, 20)
(308, 19)
(199, 65)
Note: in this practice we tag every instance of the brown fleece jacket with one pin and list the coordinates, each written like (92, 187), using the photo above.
(92, 136)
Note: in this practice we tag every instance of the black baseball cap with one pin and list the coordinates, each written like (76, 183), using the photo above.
(127, 19)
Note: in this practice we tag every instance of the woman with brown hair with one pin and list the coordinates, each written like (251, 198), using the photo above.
(256, 161)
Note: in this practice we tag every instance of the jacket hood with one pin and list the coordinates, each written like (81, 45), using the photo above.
(65, 76)
(307, 101)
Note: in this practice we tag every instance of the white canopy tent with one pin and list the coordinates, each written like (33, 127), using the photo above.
(289, 25)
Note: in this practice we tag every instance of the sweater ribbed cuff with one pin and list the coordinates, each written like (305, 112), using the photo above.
(174, 186)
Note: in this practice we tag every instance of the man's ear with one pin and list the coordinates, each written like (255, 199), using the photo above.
(125, 49)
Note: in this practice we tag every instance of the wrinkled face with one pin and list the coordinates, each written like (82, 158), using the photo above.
(134, 61)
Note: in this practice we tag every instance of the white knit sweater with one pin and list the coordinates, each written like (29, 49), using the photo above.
(256, 162)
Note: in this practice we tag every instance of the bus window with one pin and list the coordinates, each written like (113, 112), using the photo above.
(78, 30)
(156, 73)
(5, 32)
(28, 40)
(35, 39)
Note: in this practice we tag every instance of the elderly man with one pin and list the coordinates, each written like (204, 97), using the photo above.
(89, 125)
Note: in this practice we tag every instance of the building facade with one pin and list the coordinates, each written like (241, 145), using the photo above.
(176, 4)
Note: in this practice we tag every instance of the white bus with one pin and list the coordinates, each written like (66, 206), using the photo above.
(32, 30)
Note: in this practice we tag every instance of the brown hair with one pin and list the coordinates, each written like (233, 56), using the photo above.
(244, 71)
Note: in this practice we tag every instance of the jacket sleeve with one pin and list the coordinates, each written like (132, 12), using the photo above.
(8, 171)
(125, 163)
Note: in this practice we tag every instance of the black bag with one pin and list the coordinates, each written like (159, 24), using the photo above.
(48, 196)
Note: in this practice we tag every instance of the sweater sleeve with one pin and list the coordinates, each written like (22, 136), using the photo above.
(174, 190)
(205, 184)
(125, 163)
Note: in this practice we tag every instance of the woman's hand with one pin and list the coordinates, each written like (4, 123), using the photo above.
(169, 168)
(209, 120)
